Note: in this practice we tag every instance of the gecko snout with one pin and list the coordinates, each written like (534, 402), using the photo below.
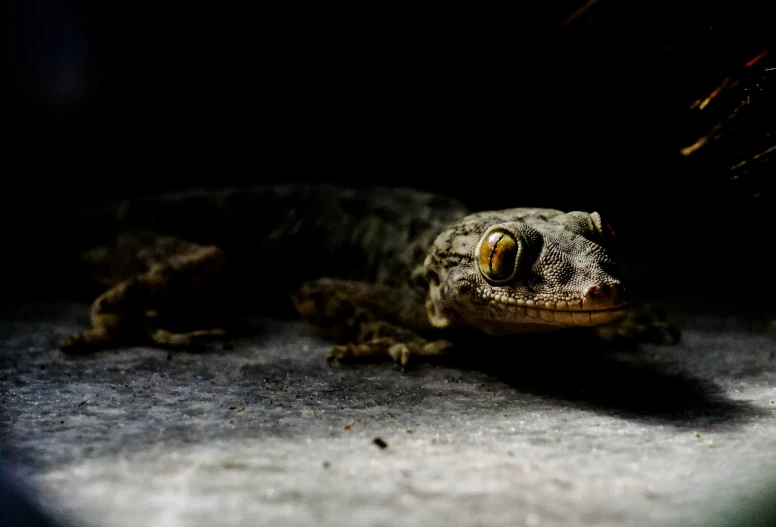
(606, 296)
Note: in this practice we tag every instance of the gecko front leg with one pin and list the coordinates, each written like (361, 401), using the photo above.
(354, 314)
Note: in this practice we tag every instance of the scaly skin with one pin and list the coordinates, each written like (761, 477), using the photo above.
(555, 272)
(381, 271)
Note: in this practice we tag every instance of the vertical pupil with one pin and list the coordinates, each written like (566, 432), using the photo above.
(498, 255)
(493, 242)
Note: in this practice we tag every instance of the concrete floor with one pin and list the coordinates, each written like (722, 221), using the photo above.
(269, 434)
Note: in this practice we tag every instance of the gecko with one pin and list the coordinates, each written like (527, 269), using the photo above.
(383, 272)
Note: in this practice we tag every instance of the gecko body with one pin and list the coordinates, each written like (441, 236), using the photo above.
(382, 271)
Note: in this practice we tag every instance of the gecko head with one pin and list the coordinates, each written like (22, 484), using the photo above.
(523, 270)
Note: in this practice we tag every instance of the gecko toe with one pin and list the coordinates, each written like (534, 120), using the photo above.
(337, 353)
(71, 343)
(95, 339)
(400, 354)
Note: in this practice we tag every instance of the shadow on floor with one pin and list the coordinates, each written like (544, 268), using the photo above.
(585, 372)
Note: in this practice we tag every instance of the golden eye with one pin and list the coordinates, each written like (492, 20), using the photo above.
(498, 254)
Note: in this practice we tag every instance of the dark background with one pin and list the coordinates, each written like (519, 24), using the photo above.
(531, 106)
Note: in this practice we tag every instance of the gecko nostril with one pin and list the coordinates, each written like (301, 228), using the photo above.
(617, 292)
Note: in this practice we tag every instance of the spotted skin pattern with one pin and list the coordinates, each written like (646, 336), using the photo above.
(384, 273)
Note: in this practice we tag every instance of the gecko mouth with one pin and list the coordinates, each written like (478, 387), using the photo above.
(598, 305)
(563, 317)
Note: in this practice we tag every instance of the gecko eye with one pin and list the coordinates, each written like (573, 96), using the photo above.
(498, 254)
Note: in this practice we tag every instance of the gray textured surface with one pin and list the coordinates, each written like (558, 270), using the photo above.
(664, 436)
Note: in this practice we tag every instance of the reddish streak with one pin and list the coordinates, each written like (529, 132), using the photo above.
(758, 57)
(579, 12)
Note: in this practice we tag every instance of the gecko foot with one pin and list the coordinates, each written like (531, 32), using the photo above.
(353, 314)
(649, 324)
(88, 341)
(384, 348)
(189, 340)
(101, 338)
(183, 283)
